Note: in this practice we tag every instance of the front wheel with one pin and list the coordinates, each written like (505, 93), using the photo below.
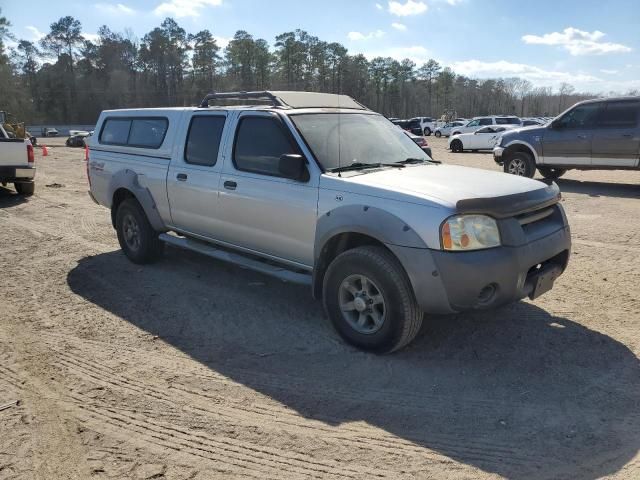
(456, 146)
(368, 297)
(137, 238)
(438, 134)
(521, 164)
(551, 173)
(427, 132)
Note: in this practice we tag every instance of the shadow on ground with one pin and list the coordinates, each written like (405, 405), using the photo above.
(600, 189)
(515, 392)
(9, 197)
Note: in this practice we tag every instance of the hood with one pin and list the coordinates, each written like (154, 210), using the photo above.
(530, 130)
(445, 185)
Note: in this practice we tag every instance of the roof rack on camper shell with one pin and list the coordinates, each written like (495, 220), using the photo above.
(288, 100)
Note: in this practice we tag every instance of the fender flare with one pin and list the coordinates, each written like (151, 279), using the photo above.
(374, 222)
(134, 183)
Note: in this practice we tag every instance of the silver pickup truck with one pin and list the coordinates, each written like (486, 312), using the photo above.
(17, 164)
(317, 189)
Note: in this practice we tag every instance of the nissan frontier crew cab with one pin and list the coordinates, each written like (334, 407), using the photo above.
(291, 185)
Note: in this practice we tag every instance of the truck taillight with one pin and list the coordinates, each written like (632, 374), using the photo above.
(30, 156)
(86, 162)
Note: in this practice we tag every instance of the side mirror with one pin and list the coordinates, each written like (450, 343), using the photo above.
(293, 166)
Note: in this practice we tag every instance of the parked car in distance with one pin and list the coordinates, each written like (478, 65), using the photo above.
(421, 142)
(50, 132)
(445, 130)
(478, 122)
(317, 189)
(426, 125)
(484, 138)
(17, 163)
(600, 134)
(77, 140)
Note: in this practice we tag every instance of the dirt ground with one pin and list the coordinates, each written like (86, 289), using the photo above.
(194, 369)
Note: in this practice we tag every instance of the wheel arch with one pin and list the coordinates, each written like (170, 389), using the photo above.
(520, 146)
(352, 226)
(127, 184)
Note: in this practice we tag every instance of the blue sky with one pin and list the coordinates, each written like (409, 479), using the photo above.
(594, 45)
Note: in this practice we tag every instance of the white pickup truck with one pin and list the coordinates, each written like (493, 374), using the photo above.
(296, 189)
(17, 163)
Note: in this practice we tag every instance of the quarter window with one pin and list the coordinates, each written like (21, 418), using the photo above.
(260, 142)
(203, 140)
(147, 132)
(620, 115)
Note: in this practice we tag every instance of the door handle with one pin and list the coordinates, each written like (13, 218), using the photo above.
(627, 135)
(582, 137)
(229, 185)
(181, 177)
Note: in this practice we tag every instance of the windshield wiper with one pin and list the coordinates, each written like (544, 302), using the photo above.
(363, 166)
(412, 160)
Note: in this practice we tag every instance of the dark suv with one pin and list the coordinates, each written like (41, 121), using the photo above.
(600, 134)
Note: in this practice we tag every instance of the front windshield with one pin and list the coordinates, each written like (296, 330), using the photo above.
(342, 139)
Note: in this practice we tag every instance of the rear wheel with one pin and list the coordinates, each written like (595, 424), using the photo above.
(438, 134)
(25, 188)
(521, 164)
(427, 132)
(137, 238)
(369, 300)
(456, 146)
(551, 173)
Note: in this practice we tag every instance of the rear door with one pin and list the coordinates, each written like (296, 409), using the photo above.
(567, 141)
(259, 209)
(194, 174)
(616, 142)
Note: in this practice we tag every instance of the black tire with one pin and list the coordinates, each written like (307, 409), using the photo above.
(521, 164)
(25, 188)
(438, 134)
(68, 142)
(137, 238)
(427, 132)
(551, 173)
(456, 146)
(401, 315)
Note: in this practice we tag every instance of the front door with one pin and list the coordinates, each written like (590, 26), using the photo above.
(616, 143)
(194, 175)
(567, 141)
(260, 210)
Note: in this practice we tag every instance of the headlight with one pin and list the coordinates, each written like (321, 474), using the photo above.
(469, 232)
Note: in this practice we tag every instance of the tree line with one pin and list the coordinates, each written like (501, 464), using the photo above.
(66, 78)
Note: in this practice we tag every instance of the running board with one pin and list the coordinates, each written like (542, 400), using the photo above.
(209, 250)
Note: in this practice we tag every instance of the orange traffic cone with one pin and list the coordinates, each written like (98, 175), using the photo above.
(45, 152)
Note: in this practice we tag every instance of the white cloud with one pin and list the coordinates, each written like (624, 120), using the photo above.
(609, 72)
(357, 36)
(379, 7)
(185, 8)
(399, 26)
(222, 41)
(416, 53)
(453, 3)
(36, 34)
(407, 9)
(577, 42)
(115, 8)
(502, 68)
(92, 37)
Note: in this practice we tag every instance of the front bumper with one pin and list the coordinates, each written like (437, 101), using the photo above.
(17, 173)
(449, 282)
(497, 154)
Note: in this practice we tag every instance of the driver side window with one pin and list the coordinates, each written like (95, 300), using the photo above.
(583, 116)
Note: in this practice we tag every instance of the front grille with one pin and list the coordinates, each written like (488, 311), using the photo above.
(535, 216)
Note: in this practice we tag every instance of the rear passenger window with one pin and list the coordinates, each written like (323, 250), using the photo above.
(115, 131)
(260, 142)
(147, 132)
(134, 132)
(620, 115)
(203, 140)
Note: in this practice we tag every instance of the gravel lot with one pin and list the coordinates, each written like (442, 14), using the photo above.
(194, 369)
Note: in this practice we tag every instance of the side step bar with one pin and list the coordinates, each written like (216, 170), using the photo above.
(281, 273)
